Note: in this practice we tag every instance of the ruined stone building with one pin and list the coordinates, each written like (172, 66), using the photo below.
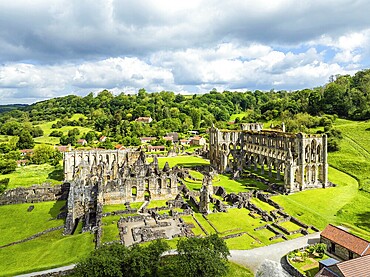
(99, 178)
(298, 159)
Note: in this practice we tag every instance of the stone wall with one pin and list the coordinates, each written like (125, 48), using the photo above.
(299, 159)
(34, 194)
(340, 251)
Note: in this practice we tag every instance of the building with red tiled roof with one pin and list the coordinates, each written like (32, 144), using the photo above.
(156, 148)
(102, 138)
(119, 147)
(82, 142)
(343, 244)
(359, 267)
(147, 139)
(144, 119)
(197, 140)
(63, 148)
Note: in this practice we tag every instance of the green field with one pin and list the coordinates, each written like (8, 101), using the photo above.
(26, 176)
(354, 155)
(46, 127)
(17, 223)
(184, 161)
(49, 251)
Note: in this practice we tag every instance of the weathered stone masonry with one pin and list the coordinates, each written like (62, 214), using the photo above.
(300, 159)
(112, 177)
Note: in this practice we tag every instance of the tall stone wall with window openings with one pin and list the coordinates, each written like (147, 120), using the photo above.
(300, 160)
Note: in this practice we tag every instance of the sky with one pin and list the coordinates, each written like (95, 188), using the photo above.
(60, 47)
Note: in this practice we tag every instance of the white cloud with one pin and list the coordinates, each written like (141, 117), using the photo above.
(51, 48)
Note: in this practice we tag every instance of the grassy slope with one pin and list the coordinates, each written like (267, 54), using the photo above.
(46, 127)
(345, 204)
(354, 155)
(236, 270)
(17, 223)
(185, 161)
(34, 174)
(48, 251)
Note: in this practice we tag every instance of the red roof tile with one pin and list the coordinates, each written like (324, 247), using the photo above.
(355, 244)
(359, 267)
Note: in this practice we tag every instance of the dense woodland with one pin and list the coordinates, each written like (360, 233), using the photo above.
(114, 116)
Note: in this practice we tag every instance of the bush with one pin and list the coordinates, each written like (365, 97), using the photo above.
(7, 166)
(4, 184)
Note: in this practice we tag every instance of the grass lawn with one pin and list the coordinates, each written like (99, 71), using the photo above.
(184, 161)
(136, 205)
(110, 229)
(236, 270)
(190, 220)
(49, 251)
(240, 185)
(17, 223)
(113, 207)
(290, 226)
(243, 242)
(354, 155)
(262, 205)
(343, 204)
(193, 185)
(196, 174)
(204, 223)
(29, 175)
(156, 203)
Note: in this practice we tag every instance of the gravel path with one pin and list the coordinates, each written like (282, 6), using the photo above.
(254, 258)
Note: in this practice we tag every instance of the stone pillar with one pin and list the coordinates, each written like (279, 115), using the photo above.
(324, 161)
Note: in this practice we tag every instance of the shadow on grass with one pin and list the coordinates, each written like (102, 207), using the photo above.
(192, 164)
(57, 208)
(363, 220)
(57, 174)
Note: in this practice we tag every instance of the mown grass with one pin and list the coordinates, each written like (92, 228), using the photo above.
(184, 161)
(236, 270)
(354, 155)
(190, 220)
(262, 205)
(238, 221)
(113, 207)
(48, 251)
(243, 242)
(17, 223)
(29, 175)
(341, 205)
(239, 185)
(156, 204)
(110, 229)
(206, 226)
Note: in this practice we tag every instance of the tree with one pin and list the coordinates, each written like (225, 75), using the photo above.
(7, 166)
(43, 153)
(202, 257)
(4, 184)
(25, 140)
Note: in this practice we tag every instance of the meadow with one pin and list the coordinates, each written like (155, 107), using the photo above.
(26, 176)
(47, 128)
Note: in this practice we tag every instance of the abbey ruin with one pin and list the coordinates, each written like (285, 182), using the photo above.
(100, 178)
(300, 158)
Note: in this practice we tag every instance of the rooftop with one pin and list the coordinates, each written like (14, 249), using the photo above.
(354, 243)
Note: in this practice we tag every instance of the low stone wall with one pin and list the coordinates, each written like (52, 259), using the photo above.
(35, 194)
(290, 268)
